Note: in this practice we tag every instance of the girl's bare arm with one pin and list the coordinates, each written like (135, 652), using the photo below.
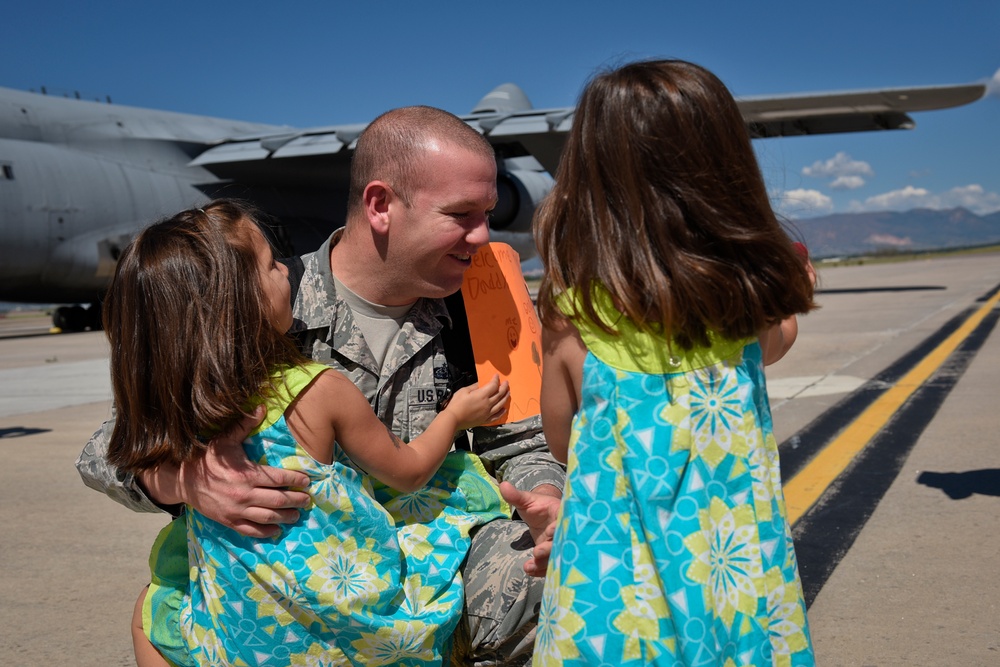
(563, 353)
(333, 409)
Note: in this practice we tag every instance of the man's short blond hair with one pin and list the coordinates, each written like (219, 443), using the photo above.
(390, 148)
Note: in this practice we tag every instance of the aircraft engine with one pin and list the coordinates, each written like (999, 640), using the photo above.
(519, 192)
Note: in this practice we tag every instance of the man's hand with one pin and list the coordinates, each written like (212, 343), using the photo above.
(224, 485)
(538, 509)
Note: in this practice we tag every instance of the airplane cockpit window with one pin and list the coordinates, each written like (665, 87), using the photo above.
(8, 172)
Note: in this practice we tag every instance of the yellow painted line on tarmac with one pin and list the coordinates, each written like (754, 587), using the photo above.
(803, 490)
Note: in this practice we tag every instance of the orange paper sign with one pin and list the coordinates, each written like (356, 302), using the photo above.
(506, 335)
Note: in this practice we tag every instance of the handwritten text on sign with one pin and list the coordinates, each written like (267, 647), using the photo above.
(506, 336)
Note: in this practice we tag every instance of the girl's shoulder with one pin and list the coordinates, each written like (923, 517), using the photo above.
(287, 384)
(298, 377)
(326, 395)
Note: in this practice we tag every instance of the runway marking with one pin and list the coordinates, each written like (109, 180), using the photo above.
(805, 488)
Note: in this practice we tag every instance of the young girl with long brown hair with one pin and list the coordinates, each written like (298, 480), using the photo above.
(667, 280)
(196, 316)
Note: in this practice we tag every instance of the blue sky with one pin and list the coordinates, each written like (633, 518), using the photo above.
(313, 63)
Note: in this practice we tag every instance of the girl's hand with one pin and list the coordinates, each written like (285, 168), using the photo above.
(803, 252)
(474, 406)
(811, 270)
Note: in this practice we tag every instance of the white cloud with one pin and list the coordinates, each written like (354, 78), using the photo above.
(840, 164)
(900, 200)
(802, 203)
(972, 197)
(847, 183)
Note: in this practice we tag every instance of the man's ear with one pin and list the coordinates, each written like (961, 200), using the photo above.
(377, 197)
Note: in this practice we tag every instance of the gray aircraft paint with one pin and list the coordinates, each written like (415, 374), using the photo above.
(78, 179)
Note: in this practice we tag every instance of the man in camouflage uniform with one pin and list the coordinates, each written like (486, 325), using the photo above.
(423, 184)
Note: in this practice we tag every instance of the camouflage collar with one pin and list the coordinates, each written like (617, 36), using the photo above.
(317, 305)
(315, 299)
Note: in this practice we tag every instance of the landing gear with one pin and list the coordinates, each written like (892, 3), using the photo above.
(77, 318)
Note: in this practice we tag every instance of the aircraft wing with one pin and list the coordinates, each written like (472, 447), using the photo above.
(850, 111)
(320, 156)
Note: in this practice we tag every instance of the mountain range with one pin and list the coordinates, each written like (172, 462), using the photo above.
(845, 234)
(852, 234)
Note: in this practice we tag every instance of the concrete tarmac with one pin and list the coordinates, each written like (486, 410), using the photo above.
(920, 586)
(917, 587)
(71, 562)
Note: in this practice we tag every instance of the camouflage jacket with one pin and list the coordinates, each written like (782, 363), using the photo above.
(404, 394)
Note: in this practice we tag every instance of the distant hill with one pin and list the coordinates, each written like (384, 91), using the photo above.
(917, 229)
(851, 234)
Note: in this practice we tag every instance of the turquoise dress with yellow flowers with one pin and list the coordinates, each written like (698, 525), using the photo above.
(353, 582)
(672, 545)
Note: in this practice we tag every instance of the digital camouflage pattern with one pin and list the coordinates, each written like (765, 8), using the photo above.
(501, 600)
(414, 377)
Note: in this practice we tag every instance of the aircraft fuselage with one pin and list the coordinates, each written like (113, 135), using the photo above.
(78, 179)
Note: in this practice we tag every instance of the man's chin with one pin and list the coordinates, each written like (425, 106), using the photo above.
(448, 292)
(442, 290)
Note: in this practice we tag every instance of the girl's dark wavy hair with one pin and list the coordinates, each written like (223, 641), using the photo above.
(659, 198)
(190, 338)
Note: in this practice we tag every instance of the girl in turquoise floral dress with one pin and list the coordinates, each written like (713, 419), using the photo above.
(669, 283)
(196, 316)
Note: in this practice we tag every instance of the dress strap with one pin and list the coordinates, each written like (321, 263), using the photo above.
(288, 383)
(634, 349)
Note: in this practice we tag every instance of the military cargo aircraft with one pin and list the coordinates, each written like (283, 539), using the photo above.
(78, 178)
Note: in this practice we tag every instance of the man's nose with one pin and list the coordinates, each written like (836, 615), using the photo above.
(479, 235)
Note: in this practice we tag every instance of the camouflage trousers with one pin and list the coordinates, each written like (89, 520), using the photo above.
(501, 600)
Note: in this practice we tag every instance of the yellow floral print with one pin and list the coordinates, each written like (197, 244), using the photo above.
(344, 574)
(727, 558)
(280, 596)
(402, 644)
(559, 624)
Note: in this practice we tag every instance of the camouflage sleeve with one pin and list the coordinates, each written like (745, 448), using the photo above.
(101, 476)
(517, 453)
